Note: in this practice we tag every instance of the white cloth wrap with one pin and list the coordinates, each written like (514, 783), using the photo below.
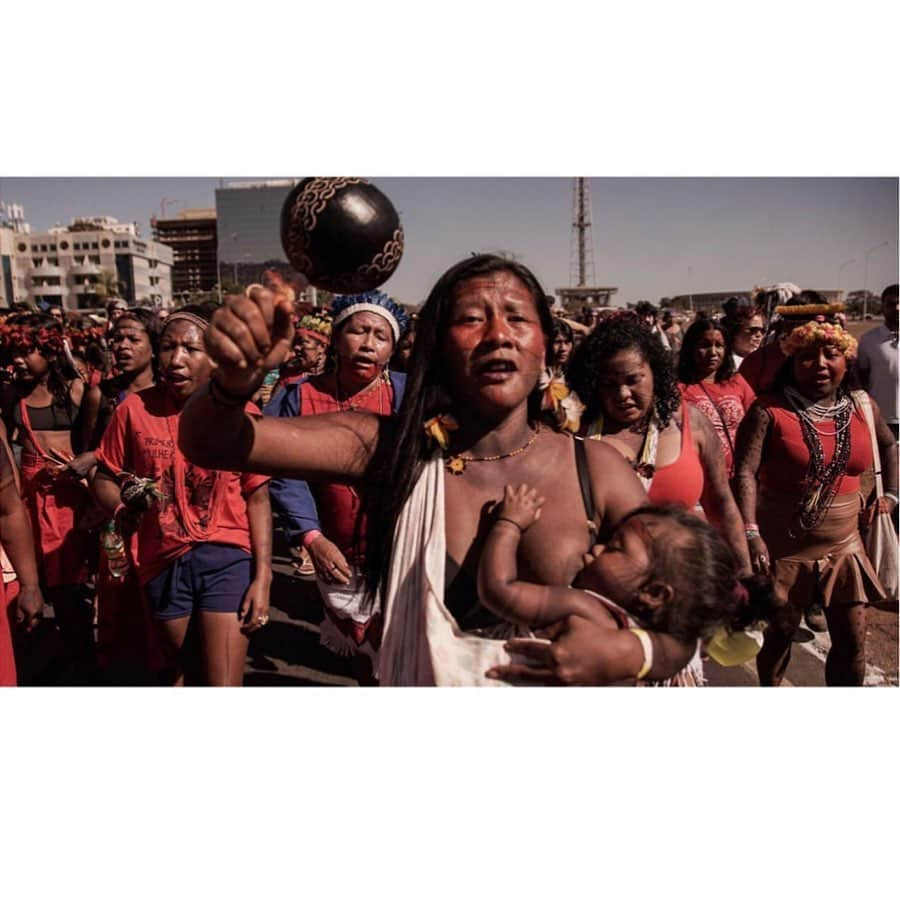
(346, 601)
(422, 644)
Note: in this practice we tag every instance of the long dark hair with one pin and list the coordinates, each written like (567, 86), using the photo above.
(687, 367)
(610, 337)
(403, 449)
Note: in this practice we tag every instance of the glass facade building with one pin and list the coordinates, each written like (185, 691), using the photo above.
(249, 224)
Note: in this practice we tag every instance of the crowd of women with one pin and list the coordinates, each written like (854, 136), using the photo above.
(485, 492)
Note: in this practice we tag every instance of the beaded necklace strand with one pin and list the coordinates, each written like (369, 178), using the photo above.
(456, 464)
(821, 481)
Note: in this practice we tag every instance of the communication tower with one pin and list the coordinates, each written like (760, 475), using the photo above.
(583, 290)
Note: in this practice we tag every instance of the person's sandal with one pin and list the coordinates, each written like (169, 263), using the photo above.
(815, 618)
(302, 564)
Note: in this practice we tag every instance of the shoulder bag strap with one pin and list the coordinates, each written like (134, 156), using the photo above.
(861, 399)
(721, 417)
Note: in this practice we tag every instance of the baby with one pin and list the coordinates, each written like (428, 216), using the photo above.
(663, 569)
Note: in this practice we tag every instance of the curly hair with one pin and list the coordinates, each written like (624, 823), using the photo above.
(687, 367)
(646, 308)
(616, 335)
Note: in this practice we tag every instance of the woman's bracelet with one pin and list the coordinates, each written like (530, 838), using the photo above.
(890, 495)
(647, 647)
(751, 530)
(221, 397)
(310, 536)
(511, 522)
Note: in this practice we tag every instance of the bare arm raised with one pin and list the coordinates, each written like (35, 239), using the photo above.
(247, 337)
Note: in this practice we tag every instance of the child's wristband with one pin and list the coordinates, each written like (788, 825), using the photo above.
(511, 522)
(647, 647)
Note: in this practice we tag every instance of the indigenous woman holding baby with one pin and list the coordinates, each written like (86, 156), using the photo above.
(800, 453)
(201, 540)
(646, 575)
(469, 424)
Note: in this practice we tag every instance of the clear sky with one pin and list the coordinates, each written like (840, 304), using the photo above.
(652, 237)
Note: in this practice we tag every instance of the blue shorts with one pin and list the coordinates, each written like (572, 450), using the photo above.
(210, 577)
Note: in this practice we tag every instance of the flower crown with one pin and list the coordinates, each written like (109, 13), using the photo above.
(18, 338)
(314, 326)
(819, 331)
(81, 337)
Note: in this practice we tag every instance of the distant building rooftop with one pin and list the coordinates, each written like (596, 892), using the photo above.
(274, 183)
(209, 213)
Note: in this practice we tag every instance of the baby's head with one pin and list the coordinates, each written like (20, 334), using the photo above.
(675, 572)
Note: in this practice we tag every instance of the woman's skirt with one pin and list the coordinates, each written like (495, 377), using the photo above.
(827, 564)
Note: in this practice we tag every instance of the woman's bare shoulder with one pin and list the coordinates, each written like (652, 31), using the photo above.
(601, 453)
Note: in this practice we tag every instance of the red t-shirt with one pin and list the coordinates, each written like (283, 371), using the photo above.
(339, 504)
(732, 399)
(198, 505)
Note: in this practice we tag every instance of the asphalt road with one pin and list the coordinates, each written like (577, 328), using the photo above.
(286, 653)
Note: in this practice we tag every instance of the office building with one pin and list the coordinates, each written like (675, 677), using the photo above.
(65, 265)
(249, 227)
(711, 303)
(191, 235)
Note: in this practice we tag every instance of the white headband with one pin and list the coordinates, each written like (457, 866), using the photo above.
(373, 308)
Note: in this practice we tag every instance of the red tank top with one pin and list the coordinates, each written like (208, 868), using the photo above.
(785, 455)
(339, 504)
(680, 481)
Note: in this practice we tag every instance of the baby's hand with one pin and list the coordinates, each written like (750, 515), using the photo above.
(520, 505)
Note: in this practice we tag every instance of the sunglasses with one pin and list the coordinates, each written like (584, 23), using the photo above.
(753, 329)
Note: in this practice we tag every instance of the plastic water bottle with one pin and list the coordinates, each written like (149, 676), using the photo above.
(114, 548)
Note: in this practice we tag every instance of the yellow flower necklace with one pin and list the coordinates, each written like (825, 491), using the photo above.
(438, 429)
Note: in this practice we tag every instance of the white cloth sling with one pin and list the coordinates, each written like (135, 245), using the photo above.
(422, 644)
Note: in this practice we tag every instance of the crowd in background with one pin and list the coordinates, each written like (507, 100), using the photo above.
(765, 422)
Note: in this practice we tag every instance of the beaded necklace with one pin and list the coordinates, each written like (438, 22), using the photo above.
(353, 401)
(821, 481)
(644, 462)
(456, 464)
(814, 413)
